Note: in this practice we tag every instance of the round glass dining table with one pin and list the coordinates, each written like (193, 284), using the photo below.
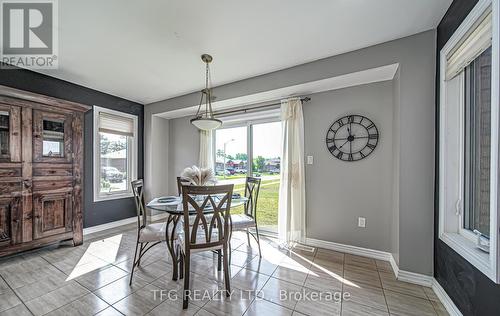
(174, 207)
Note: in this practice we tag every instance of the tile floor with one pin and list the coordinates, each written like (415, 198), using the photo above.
(93, 280)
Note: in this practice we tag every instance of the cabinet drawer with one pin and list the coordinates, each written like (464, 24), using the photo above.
(50, 185)
(40, 172)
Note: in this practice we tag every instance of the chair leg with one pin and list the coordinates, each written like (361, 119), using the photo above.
(227, 279)
(248, 238)
(258, 240)
(181, 265)
(186, 282)
(133, 265)
(140, 254)
(219, 260)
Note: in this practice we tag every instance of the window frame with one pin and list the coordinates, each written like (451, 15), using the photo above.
(131, 160)
(452, 151)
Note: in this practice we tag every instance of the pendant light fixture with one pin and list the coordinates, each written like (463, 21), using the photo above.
(204, 119)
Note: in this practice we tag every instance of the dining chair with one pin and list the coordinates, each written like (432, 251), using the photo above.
(206, 233)
(180, 183)
(247, 220)
(148, 234)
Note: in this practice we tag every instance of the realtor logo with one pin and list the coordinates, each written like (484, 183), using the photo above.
(29, 34)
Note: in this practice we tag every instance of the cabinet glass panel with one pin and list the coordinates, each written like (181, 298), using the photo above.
(53, 138)
(4, 133)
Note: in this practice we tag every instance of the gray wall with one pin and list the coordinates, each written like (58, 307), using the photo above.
(338, 192)
(185, 149)
(416, 57)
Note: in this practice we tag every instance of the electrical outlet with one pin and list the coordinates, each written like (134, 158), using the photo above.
(361, 222)
(310, 160)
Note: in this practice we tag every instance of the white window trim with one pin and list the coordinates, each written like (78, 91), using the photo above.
(132, 162)
(450, 226)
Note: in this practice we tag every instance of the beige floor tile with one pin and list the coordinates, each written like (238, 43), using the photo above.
(19, 310)
(363, 262)
(110, 311)
(323, 304)
(249, 280)
(280, 292)
(263, 307)
(55, 299)
(390, 283)
(140, 302)
(293, 274)
(153, 271)
(384, 266)
(402, 304)
(330, 255)
(261, 265)
(240, 258)
(18, 277)
(365, 295)
(439, 308)
(431, 295)
(324, 282)
(99, 278)
(173, 308)
(203, 312)
(325, 266)
(86, 305)
(235, 305)
(357, 274)
(9, 299)
(353, 309)
(41, 287)
(119, 289)
(3, 286)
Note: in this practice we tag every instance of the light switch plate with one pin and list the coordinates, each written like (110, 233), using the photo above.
(361, 222)
(310, 160)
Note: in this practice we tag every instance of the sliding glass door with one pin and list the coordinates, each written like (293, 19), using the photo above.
(252, 149)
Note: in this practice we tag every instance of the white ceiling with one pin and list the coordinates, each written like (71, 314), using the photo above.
(147, 51)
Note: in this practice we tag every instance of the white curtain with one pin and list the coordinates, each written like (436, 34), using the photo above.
(206, 159)
(292, 198)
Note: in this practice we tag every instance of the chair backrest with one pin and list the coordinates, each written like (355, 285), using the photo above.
(180, 183)
(252, 187)
(140, 206)
(199, 198)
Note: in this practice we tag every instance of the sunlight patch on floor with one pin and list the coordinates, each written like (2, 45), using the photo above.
(106, 249)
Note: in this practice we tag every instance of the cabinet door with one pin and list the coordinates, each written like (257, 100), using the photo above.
(10, 133)
(53, 213)
(52, 137)
(10, 221)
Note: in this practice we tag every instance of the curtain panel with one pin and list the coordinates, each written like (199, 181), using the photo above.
(292, 198)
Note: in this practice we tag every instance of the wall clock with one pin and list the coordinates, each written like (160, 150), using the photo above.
(352, 138)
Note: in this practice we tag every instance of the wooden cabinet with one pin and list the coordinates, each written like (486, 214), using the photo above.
(41, 170)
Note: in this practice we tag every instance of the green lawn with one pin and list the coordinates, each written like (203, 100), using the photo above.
(267, 204)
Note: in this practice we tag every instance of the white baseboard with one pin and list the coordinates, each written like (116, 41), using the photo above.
(353, 250)
(445, 299)
(122, 222)
(415, 278)
(405, 276)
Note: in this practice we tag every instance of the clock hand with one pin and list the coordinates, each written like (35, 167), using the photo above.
(344, 144)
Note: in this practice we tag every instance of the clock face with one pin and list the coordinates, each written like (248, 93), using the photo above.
(352, 138)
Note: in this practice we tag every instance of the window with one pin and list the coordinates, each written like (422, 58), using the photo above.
(468, 139)
(251, 145)
(4, 133)
(115, 153)
(478, 144)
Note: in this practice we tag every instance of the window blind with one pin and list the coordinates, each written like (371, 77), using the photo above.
(115, 124)
(473, 45)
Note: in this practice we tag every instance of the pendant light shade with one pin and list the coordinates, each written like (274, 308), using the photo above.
(204, 119)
